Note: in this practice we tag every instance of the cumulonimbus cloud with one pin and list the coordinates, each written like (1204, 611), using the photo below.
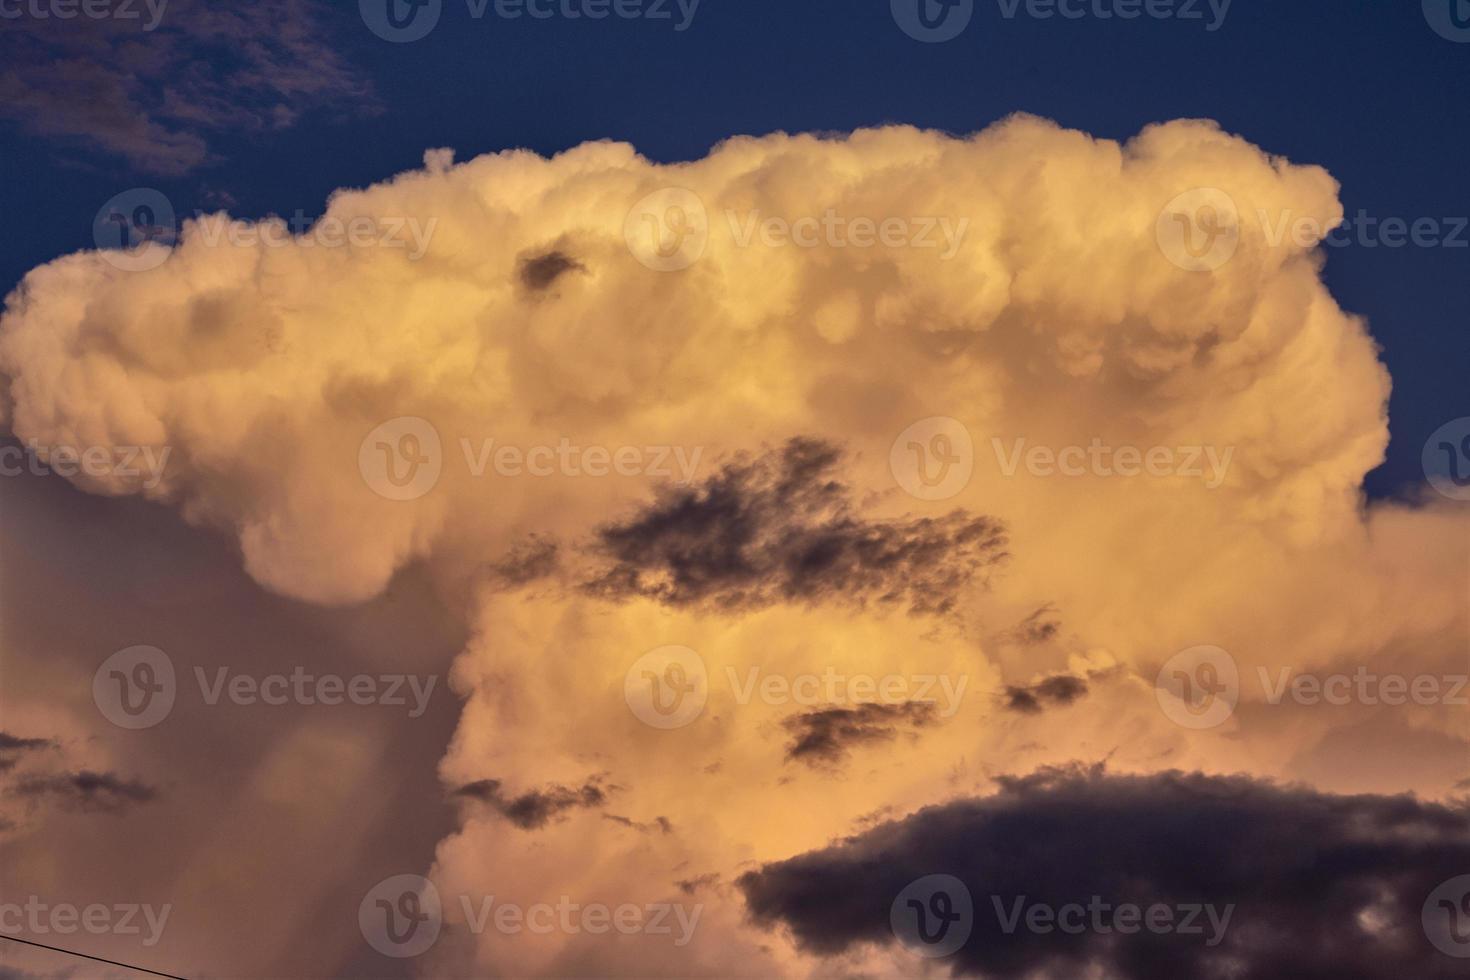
(264, 367)
(820, 587)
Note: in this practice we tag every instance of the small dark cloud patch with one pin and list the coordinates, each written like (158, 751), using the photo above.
(529, 560)
(12, 748)
(1059, 689)
(779, 528)
(540, 271)
(880, 815)
(825, 738)
(10, 743)
(690, 886)
(85, 791)
(537, 808)
(1037, 628)
(1323, 886)
(658, 825)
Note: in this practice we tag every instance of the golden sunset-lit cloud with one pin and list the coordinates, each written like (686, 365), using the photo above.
(918, 457)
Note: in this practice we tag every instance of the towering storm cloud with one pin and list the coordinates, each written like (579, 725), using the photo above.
(263, 366)
(804, 490)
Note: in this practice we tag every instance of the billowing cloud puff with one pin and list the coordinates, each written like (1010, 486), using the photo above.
(781, 487)
(263, 367)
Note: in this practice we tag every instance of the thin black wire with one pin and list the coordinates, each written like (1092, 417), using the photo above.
(70, 952)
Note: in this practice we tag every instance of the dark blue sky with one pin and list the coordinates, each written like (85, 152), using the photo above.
(1366, 89)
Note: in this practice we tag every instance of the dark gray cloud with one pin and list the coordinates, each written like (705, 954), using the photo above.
(690, 886)
(539, 272)
(85, 791)
(12, 748)
(538, 807)
(1323, 886)
(1037, 628)
(1059, 689)
(779, 528)
(658, 825)
(534, 558)
(157, 91)
(9, 743)
(825, 738)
